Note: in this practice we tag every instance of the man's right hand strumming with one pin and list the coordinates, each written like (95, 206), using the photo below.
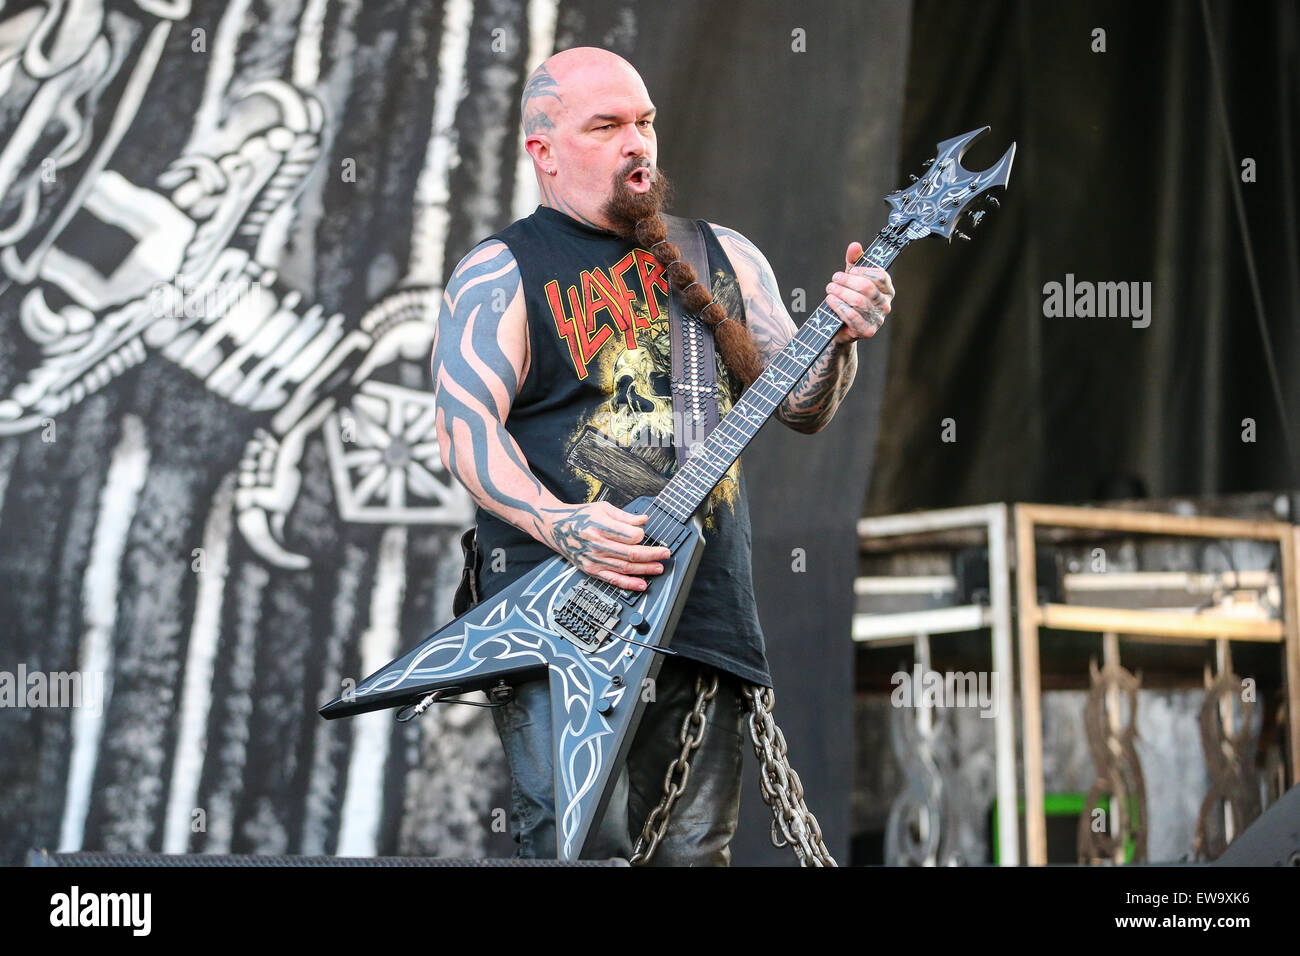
(601, 540)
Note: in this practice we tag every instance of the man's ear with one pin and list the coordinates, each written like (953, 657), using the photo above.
(539, 147)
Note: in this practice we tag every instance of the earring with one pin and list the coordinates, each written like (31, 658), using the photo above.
(551, 171)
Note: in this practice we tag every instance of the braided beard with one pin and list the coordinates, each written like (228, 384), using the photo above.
(638, 214)
(625, 208)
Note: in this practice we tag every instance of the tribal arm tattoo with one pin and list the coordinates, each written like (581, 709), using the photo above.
(480, 356)
(477, 365)
(815, 398)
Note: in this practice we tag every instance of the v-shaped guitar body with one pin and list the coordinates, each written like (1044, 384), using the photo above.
(557, 620)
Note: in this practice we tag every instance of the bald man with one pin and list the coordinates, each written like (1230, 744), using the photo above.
(558, 325)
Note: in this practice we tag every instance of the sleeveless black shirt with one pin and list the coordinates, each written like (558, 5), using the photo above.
(600, 366)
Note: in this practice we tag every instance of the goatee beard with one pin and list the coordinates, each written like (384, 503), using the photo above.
(625, 208)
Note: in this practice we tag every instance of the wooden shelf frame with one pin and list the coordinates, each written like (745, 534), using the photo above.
(1151, 624)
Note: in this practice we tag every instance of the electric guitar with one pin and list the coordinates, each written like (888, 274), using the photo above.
(600, 644)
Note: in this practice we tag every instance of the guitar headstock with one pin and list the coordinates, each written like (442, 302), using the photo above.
(935, 201)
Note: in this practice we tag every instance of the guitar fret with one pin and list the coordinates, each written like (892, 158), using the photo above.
(695, 480)
(669, 500)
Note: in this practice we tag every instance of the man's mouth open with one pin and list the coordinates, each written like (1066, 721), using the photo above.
(640, 179)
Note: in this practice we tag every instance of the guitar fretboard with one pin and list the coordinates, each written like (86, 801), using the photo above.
(693, 482)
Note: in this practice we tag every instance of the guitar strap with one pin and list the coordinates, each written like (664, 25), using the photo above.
(695, 370)
(466, 596)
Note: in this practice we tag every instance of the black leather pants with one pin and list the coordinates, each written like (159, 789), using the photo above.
(703, 820)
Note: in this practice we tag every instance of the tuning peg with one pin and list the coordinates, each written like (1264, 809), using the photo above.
(975, 218)
(961, 235)
(993, 201)
(913, 177)
(927, 162)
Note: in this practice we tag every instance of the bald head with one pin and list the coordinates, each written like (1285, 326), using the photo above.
(570, 77)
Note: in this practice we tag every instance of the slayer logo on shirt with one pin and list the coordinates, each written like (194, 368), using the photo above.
(608, 304)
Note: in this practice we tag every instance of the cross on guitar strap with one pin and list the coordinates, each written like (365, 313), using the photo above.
(695, 370)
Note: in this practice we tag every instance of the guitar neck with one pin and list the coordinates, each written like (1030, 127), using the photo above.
(694, 481)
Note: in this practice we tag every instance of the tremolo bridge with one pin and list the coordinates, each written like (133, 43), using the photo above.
(587, 617)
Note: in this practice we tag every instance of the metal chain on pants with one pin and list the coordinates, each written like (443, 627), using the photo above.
(679, 772)
(780, 786)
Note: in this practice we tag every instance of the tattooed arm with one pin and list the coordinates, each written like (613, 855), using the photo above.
(480, 357)
(814, 400)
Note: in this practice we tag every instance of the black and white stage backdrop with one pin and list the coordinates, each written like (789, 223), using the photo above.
(223, 231)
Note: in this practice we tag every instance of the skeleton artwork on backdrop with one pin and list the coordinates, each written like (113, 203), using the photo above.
(182, 269)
